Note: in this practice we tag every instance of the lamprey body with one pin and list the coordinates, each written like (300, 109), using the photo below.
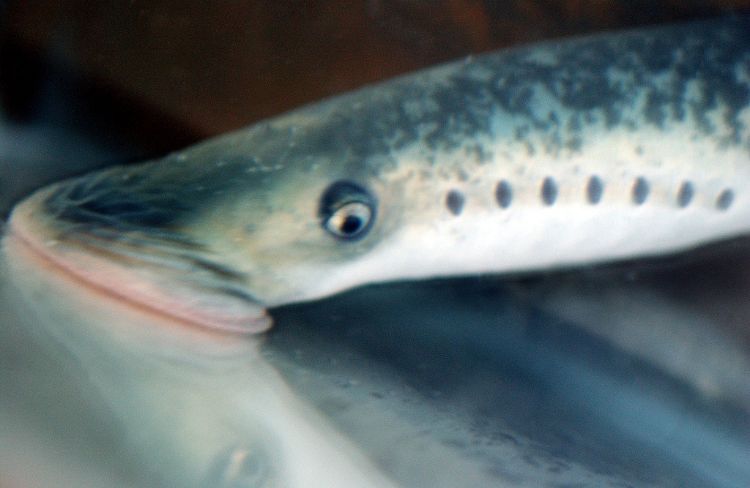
(558, 154)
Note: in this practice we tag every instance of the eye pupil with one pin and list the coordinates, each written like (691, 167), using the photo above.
(351, 224)
(349, 220)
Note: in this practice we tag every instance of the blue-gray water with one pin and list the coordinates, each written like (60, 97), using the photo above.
(459, 381)
(503, 374)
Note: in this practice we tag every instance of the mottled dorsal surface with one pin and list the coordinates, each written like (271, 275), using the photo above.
(546, 96)
(558, 90)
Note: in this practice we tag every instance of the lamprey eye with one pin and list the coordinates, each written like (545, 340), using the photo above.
(350, 220)
(347, 210)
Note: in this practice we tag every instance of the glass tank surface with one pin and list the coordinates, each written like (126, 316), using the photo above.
(632, 371)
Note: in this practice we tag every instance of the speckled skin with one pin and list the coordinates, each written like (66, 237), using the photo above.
(633, 118)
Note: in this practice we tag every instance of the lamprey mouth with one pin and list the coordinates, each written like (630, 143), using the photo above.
(162, 272)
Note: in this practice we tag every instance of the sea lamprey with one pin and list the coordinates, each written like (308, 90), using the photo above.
(557, 154)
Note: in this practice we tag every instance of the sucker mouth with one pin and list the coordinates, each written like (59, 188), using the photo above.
(161, 271)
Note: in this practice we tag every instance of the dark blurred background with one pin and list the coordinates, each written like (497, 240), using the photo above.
(159, 74)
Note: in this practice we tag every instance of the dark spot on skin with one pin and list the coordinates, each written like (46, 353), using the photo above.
(574, 143)
(503, 194)
(549, 191)
(725, 199)
(640, 190)
(655, 108)
(685, 194)
(455, 202)
(594, 190)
